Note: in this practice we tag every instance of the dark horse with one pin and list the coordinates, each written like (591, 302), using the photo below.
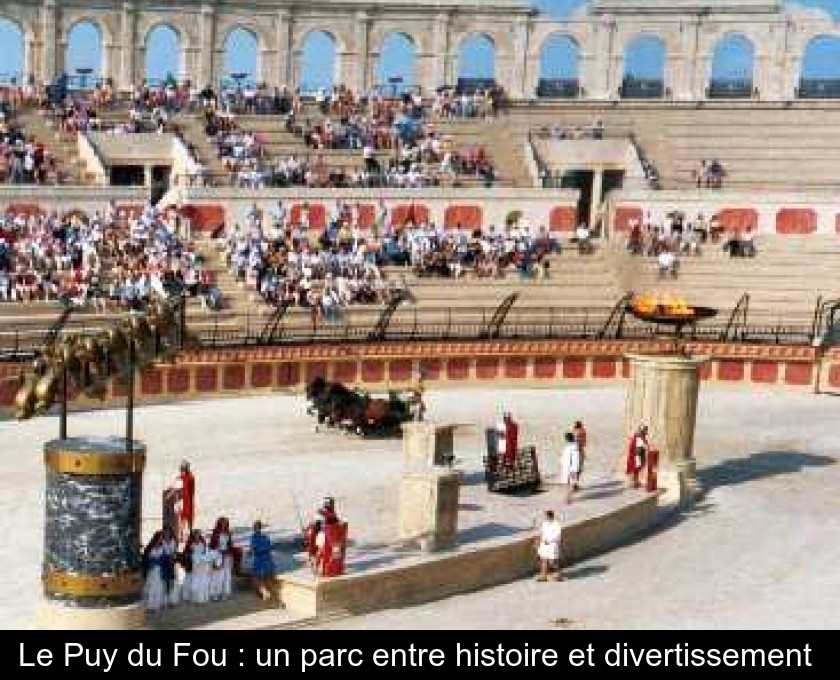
(337, 406)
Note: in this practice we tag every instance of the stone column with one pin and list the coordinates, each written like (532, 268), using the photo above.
(127, 74)
(284, 48)
(207, 38)
(429, 490)
(363, 77)
(519, 59)
(595, 203)
(30, 58)
(442, 58)
(91, 571)
(663, 394)
(595, 61)
(49, 40)
(693, 88)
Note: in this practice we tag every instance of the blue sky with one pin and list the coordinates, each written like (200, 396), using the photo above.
(732, 60)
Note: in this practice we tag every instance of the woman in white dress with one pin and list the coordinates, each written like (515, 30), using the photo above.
(170, 553)
(154, 589)
(221, 541)
(197, 564)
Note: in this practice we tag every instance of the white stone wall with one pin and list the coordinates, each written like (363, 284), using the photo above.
(689, 29)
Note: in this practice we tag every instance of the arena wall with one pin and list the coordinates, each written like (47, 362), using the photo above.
(211, 373)
(472, 208)
(785, 213)
(67, 199)
(464, 569)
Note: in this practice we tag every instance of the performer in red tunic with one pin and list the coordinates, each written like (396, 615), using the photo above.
(508, 439)
(638, 448)
(186, 505)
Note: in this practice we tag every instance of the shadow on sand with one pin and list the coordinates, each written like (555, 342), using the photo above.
(759, 466)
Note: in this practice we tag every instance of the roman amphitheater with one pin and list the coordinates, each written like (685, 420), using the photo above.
(495, 208)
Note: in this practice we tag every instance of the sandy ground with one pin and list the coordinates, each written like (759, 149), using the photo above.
(756, 552)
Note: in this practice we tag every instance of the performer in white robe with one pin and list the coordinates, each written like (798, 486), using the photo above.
(196, 586)
(570, 465)
(202, 568)
(154, 590)
(168, 571)
(221, 541)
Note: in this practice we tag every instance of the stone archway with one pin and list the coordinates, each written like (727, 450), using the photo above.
(819, 73)
(164, 50)
(12, 37)
(644, 67)
(84, 54)
(396, 63)
(241, 59)
(559, 73)
(732, 67)
(476, 66)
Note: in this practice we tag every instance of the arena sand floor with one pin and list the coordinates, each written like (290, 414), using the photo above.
(759, 550)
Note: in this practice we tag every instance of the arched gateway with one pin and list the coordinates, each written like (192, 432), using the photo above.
(776, 40)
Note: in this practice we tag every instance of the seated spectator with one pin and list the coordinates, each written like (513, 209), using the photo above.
(667, 264)
(582, 238)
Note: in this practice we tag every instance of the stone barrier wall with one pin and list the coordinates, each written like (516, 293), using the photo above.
(464, 569)
(202, 374)
(784, 213)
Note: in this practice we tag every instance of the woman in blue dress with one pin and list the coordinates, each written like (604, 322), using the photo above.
(263, 568)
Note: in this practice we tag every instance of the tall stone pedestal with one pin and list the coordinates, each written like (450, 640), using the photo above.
(91, 569)
(430, 487)
(426, 445)
(429, 508)
(662, 394)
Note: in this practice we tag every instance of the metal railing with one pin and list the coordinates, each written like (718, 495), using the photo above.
(818, 88)
(730, 88)
(559, 88)
(642, 88)
(357, 324)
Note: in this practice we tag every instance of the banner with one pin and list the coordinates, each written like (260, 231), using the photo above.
(380, 653)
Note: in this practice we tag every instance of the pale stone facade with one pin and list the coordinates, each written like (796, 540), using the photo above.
(689, 30)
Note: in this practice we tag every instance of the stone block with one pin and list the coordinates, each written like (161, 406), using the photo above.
(429, 508)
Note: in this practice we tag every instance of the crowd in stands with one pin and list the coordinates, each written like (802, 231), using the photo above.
(678, 235)
(490, 254)
(710, 174)
(292, 266)
(418, 156)
(288, 264)
(106, 260)
(564, 132)
(23, 159)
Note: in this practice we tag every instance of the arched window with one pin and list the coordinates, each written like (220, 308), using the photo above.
(318, 62)
(559, 67)
(476, 63)
(395, 74)
(164, 55)
(83, 60)
(241, 59)
(13, 63)
(732, 67)
(820, 76)
(644, 68)
(558, 9)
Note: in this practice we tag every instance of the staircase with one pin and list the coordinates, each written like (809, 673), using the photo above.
(64, 148)
(761, 146)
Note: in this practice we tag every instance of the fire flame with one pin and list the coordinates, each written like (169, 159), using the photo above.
(664, 303)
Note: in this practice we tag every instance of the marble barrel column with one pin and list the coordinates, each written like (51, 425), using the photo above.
(91, 571)
(662, 394)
